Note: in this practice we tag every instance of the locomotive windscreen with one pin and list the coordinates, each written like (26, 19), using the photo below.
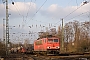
(50, 40)
(53, 40)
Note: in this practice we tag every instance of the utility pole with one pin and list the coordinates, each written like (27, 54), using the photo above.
(89, 16)
(7, 28)
(62, 45)
(4, 33)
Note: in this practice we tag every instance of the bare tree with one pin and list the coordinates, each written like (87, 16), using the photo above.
(76, 26)
(69, 35)
(59, 32)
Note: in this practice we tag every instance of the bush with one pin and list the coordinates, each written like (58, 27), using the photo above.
(84, 46)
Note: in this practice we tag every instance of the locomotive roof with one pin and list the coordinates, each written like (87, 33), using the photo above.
(46, 37)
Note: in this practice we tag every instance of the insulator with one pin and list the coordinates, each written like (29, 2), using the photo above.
(13, 3)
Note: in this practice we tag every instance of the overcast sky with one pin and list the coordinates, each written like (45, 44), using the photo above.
(38, 13)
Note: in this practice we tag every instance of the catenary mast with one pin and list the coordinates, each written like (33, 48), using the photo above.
(7, 28)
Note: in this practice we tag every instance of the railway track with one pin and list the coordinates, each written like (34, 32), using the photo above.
(40, 57)
(18, 57)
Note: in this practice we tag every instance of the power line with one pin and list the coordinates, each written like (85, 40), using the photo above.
(69, 2)
(85, 2)
(80, 15)
(18, 10)
(77, 3)
(72, 12)
(67, 15)
(16, 6)
(38, 10)
(24, 6)
(28, 9)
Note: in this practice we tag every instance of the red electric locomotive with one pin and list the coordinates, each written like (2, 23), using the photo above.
(49, 45)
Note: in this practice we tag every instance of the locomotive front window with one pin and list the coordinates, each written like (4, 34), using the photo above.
(55, 40)
(50, 40)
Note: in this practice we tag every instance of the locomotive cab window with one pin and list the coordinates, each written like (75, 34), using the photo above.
(55, 40)
(50, 40)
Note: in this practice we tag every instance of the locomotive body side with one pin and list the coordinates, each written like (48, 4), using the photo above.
(40, 45)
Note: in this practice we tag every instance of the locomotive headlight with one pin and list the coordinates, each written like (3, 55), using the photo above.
(48, 47)
(57, 47)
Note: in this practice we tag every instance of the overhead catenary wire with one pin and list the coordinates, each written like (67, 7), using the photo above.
(24, 11)
(17, 8)
(28, 10)
(24, 21)
(60, 19)
(42, 5)
(34, 14)
(77, 3)
(37, 10)
(73, 11)
(85, 2)
(79, 15)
